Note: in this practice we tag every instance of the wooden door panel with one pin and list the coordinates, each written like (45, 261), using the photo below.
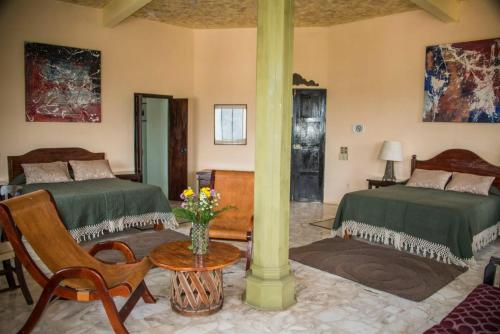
(308, 188)
(308, 145)
(177, 148)
(138, 134)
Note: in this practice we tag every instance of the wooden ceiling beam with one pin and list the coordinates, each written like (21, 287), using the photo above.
(118, 10)
(445, 10)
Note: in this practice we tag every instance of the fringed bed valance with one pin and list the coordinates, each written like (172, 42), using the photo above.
(414, 245)
(167, 219)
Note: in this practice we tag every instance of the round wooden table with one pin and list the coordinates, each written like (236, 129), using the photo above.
(197, 285)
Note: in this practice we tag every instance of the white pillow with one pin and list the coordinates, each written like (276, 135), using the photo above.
(91, 169)
(46, 172)
(470, 183)
(433, 179)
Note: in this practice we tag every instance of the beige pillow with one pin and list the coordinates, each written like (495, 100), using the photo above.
(433, 179)
(47, 172)
(91, 169)
(470, 183)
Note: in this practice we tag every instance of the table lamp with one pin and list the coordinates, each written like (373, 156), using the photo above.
(391, 151)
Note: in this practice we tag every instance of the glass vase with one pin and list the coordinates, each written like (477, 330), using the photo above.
(199, 238)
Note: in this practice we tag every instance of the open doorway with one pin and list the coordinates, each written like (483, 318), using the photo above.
(161, 142)
(308, 145)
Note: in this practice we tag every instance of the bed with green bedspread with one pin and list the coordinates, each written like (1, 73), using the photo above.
(88, 208)
(445, 225)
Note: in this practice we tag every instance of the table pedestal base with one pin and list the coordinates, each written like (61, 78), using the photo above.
(197, 293)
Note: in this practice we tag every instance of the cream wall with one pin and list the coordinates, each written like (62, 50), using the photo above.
(137, 56)
(373, 72)
(224, 73)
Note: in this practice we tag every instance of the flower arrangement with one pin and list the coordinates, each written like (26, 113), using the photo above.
(200, 209)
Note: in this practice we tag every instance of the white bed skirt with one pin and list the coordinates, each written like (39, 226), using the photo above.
(414, 245)
(93, 231)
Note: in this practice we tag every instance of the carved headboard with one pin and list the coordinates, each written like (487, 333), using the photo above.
(48, 155)
(462, 161)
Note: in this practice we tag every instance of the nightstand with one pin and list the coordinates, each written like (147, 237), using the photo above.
(204, 178)
(129, 176)
(377, 183)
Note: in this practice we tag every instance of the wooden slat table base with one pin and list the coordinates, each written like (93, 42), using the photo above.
(196, 293)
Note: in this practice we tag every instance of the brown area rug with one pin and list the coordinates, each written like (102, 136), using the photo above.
(141, 242)
(328, 224)
(405, 275)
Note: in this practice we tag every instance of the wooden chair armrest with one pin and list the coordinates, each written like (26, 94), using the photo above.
(114, 245)
(489, 271)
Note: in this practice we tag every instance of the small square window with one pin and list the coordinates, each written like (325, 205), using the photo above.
(230, 124)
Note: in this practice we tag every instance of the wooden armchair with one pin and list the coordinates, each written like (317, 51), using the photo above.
(78, 275)
(235, 188)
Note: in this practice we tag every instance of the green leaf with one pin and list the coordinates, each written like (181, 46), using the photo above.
(183, 214)
(218, 212)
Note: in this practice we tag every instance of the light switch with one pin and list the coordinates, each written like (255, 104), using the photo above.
(343, 155)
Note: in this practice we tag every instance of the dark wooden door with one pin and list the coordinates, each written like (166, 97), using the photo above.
(308, 145)
(177, 148)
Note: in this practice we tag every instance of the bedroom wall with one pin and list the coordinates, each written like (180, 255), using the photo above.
(137, 56)
(224, 73)
(373, 71)
(376, 73)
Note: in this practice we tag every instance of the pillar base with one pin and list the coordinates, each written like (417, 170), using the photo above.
(270, 294)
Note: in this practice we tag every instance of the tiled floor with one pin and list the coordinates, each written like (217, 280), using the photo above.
(325, 303)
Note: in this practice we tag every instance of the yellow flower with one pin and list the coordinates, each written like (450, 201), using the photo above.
(188, 192)
(206, 191)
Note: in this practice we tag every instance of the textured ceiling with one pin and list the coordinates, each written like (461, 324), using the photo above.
(242, 13)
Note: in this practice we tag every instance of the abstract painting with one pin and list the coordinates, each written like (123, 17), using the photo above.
(462, 82)
(63, 84)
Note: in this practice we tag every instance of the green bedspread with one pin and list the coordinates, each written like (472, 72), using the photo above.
(88, 208)
(445, 225)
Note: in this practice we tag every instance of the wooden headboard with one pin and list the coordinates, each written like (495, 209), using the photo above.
(48, 155)
(462, 161)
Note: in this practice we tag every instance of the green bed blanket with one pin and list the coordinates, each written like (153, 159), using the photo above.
(446, 225)
(88, 208)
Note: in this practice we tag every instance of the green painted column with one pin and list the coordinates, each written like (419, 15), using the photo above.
(270, 284)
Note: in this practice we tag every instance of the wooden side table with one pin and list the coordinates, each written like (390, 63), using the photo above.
(377, 183)
(129, 176)
(205, 178)
(197, 284)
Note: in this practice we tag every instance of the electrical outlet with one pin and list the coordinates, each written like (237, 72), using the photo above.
(343, 155)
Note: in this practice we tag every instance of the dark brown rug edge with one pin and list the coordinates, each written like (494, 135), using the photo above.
(322, 223)
(318, 253)
(141, 242)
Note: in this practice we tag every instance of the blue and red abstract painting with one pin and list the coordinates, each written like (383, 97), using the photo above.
(462, 82)
(63, 84)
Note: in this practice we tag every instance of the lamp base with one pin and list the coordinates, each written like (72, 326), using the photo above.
(389, 172)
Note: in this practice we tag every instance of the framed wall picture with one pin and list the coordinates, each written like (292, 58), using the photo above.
(230, 124)
(462, 82)
(63, 84)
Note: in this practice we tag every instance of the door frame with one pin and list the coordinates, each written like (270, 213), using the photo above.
(323, 143)
(138, 127)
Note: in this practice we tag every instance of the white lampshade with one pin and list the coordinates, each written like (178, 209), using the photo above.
(391, 151)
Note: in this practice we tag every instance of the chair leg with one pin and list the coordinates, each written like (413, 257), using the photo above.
(134, 298)
(112, 313)
(22, 282)
(147, 296)
(39, 308)
(249, 250)
(7, 266)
